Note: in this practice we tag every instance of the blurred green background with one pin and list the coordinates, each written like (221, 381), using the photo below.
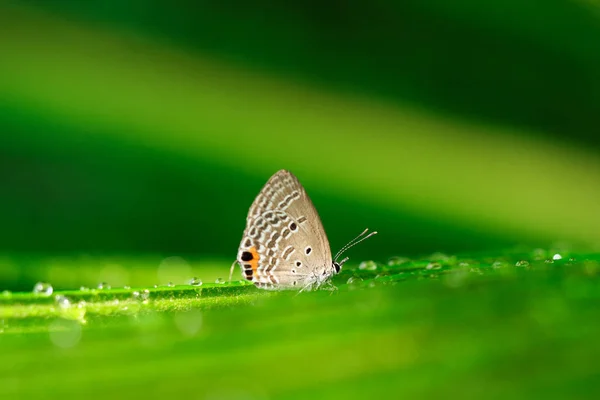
(147, 127)
(134, 136)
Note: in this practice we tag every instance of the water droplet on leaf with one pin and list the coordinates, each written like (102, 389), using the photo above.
(498, 265)
(368, 265)
(62, 301)
(195, 281)
(397, 261)
(43, 289)
(433, 265)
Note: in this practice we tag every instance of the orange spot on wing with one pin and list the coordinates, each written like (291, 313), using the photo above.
(254, 262)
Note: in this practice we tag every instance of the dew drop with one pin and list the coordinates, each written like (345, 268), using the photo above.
(354, 282)
(84, 289)
(497, 265)
(103, 285)
(219, 280)
(155, 286)
(463, 264)
(381, 276)
(522, 263)
(397, 261)
(196, 281)
(44, 289)
(145, 294)
(170, 284)
(433, 265)
(126, 287)
(62, 301)
(368, 265)
(351, 280)
(135, 295)
(557, 257)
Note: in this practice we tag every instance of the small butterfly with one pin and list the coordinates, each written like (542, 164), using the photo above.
(284, 245)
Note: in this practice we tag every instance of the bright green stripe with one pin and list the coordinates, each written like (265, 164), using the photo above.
(408, 159)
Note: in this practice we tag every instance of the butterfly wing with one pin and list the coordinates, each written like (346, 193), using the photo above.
(284, 243)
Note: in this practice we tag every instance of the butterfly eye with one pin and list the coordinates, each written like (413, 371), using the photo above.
(337, 267)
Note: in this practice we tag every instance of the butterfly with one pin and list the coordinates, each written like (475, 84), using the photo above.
(284, 245)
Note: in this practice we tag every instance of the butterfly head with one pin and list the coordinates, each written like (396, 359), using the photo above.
(337, 265)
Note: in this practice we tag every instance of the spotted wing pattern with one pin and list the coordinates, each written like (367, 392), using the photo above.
(284, 244)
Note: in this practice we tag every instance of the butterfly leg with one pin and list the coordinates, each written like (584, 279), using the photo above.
(307, 286)
(231, 270)
(329, 286)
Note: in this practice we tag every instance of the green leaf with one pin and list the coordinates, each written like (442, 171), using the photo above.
(520, 324)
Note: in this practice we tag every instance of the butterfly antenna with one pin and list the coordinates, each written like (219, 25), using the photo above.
(352, 243)
(349, 244)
